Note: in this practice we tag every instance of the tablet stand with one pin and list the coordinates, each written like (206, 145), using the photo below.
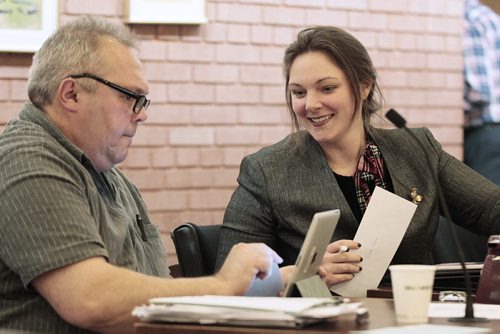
(311, 287)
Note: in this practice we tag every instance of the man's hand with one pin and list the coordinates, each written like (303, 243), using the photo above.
(244, 263)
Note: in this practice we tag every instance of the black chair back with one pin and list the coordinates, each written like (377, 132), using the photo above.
(196, 247)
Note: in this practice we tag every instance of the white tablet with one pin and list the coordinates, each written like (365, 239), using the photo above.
(313, 249)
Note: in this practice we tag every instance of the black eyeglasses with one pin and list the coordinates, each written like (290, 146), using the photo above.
(140, 100)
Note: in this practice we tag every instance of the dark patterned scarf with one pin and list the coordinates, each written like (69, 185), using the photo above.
(370, 171)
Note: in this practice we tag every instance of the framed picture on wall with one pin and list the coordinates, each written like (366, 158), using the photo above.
(167, 11)
(26, 24)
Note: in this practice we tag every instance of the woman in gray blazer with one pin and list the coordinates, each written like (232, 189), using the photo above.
(335, 158)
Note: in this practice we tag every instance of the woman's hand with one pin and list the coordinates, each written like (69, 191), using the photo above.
(286, 273)
(339, 262)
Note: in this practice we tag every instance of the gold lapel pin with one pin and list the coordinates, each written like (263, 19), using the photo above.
(415, 197)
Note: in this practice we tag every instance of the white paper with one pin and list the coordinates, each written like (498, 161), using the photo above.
(246, 311)
(292, 305)
(450, 310)
(425, 328)
(380, 233)
(458, 266)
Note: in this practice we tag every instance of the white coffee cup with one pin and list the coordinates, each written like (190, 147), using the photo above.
(412, 291)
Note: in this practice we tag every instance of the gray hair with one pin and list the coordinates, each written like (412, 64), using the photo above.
(73, 48)
(349, 55)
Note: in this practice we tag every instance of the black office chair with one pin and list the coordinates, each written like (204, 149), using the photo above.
(196, 247)
(474, 247)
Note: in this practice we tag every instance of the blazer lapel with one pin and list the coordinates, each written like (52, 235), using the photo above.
(332, 193)
(402, 175)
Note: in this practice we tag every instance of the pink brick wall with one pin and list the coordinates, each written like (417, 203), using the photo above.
(217, 88)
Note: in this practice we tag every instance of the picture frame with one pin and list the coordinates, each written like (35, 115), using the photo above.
(167, 11)
(25, 25)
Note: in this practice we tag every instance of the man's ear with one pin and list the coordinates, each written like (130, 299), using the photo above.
(366, 87)
(67, 94)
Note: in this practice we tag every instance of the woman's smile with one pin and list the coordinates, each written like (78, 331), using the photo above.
(320, 120)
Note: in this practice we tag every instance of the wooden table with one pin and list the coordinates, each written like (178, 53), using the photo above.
(381, 315)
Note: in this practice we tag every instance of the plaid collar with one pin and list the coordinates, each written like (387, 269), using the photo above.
(370, 173)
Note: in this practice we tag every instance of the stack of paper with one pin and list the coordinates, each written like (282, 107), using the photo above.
(244, 311)
(450, 276)
(425, 328)
(457, 310)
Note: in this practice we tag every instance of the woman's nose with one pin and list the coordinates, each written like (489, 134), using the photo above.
(312, 103)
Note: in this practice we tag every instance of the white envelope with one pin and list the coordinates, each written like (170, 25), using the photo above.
(380, 233)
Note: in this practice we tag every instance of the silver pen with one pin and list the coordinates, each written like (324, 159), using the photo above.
(343, 249)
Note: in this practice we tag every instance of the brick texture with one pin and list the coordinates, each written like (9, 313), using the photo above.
(217, 89)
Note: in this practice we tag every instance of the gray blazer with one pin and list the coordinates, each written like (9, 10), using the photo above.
(282, 186)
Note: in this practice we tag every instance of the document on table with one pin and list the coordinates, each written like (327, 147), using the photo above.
(450, 310)
(244, 311)
(425, 328)
(380, 233)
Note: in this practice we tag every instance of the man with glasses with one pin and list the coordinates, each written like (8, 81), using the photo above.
(77, 247)
(140, 100)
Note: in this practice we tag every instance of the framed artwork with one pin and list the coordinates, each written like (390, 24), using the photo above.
(26, 24)
(167, 11)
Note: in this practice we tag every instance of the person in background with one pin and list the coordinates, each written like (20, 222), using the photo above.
(481, 54)
(78, 249)
(335, 158)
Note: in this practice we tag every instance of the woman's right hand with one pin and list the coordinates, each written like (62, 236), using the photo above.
(340, 263)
